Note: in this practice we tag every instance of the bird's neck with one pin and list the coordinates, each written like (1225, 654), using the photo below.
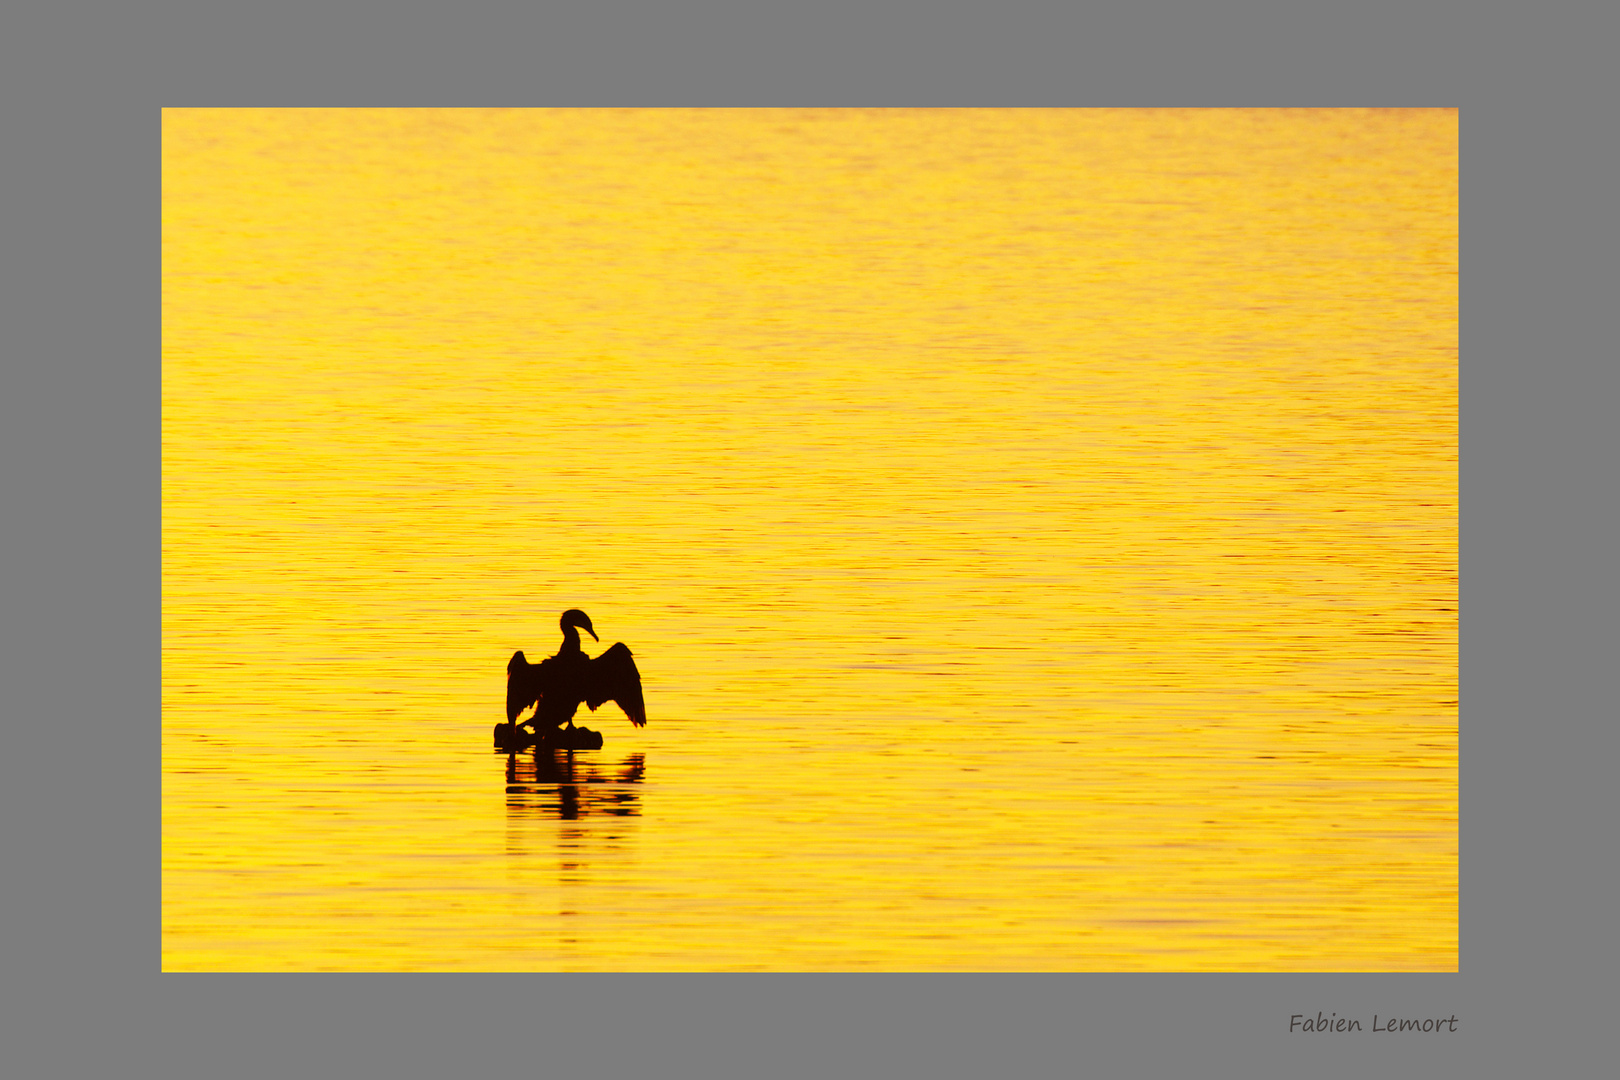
(570, 641)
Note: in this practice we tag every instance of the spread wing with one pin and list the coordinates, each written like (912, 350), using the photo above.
(613, 677)
(522, 685)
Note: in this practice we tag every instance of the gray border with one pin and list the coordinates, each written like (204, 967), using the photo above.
(81, 396)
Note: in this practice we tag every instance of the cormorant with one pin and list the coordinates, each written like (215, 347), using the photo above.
(557, 684)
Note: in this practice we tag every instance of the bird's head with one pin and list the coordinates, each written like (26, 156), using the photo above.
(576, 617)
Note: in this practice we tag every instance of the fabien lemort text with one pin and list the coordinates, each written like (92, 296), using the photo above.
(1334, 1022)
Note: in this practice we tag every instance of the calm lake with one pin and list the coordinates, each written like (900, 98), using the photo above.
(1036, 531)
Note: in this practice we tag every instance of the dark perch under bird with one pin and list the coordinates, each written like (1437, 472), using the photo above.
(558, 684)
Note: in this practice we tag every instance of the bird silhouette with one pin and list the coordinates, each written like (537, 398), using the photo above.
(558, 684)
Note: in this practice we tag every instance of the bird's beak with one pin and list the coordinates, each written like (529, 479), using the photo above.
(591, 632)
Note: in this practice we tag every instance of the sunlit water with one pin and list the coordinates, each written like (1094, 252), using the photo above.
(1037, 532)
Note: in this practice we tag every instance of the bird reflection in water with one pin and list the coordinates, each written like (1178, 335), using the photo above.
(568, 786)
(573, 807)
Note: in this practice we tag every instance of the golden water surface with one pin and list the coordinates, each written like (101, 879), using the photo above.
(1037, 532)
